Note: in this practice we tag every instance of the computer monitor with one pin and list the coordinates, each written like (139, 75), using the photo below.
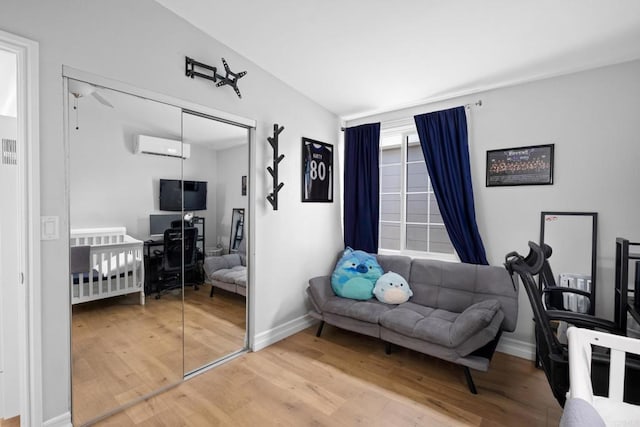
(159, 223)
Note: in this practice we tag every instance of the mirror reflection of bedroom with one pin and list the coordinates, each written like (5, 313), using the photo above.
(152, 193)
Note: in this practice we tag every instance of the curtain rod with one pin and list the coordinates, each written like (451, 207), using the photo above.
(478, 103)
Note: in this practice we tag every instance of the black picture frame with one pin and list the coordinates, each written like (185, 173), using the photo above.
(243, 185)
(530, 165)
(317, 171)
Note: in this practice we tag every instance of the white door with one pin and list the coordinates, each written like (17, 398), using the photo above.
(9, 248)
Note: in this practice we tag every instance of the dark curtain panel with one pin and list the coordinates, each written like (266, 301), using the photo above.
(443, 137)
(361, 187)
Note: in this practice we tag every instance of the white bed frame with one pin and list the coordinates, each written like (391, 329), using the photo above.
(108, 247)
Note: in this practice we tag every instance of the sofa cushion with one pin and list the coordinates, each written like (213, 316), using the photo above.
(242, 280)
(230, 275)
(456, 286)
(397, 263)
(473, 319)
(437, 325)
(367, 311)
(232, 260)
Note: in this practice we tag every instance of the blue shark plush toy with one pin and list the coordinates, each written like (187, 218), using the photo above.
(355, 275)
(392, 288)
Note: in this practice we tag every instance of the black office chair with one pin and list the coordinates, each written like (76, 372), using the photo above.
(554, 355)
(181, 222)
(173, 266)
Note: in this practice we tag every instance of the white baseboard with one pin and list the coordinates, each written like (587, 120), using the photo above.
(62, 420)
(280, 332)
(513, 347)
(522, 349)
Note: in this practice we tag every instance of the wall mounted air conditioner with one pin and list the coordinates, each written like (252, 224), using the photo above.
(161, 147)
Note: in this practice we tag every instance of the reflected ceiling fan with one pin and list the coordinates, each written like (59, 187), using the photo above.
(81, 90)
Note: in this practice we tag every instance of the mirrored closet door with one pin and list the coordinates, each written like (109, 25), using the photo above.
(155, 293)
(215, 318)
(126, 342)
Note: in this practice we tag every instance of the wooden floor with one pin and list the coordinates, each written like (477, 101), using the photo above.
(122, 350)
(11, 422)
(345, 379)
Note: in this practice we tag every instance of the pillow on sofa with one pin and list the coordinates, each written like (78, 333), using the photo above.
(473, 319)
(232, 260)
(392, 288)
(355, 275)
(213, 263)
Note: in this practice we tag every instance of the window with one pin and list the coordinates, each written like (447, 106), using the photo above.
(410, 220)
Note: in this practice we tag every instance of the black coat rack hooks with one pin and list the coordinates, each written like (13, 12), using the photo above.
(230, 78)
(273, 140)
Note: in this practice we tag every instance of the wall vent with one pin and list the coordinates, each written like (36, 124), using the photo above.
(9, 152)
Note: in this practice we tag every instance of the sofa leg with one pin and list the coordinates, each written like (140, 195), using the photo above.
(387, 348)
(472, 386)
(319, 331)
(211, 293)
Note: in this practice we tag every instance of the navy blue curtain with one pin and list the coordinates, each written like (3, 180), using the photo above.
(443, 137)
(361, 187)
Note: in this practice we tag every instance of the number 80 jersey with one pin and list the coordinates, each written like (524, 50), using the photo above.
(317, 167)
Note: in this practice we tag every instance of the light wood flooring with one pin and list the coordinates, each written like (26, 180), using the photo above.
(11, 422)
(345, 379)
(122, 350)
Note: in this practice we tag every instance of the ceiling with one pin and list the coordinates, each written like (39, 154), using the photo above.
(360, 57)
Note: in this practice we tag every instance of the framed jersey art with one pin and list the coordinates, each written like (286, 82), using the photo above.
(317, 171)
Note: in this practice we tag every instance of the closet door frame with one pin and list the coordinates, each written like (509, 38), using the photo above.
(192, 108)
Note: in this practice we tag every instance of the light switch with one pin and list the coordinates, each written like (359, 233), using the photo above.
(49, 228)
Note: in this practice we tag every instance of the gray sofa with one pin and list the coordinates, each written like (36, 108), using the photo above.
(226, 272)
(457, 311)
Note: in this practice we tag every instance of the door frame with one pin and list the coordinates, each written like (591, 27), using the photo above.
(185, 107)
(28, 155)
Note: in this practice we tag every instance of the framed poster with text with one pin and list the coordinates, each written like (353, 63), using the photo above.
(531, 165)
(317, 171)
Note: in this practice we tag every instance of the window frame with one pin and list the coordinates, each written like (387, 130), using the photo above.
(404, 134)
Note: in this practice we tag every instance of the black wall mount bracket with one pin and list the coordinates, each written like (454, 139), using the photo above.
(229, 79)
(273, 140)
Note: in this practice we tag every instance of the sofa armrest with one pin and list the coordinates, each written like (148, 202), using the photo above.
(472, 320)
(320, 290)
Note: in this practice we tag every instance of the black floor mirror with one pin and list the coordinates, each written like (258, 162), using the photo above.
(573, 239)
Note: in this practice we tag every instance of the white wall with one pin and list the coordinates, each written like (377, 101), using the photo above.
(9, 363)
(232, 165)
(143, 44)
(592, 118)
(111, 185)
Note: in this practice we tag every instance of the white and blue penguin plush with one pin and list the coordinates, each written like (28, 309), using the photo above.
(392, 288)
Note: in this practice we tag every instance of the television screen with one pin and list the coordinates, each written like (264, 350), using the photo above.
(171, 191)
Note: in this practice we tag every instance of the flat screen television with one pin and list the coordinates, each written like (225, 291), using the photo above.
(171, 192)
